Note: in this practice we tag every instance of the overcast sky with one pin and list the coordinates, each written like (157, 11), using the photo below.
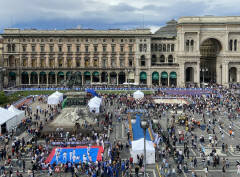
(106, 14)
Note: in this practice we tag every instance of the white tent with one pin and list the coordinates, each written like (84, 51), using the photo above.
(138, 149)
(138, 95)
(8, 117)
(20, 114)
(59, 94)
(55, 98)
(94, 104)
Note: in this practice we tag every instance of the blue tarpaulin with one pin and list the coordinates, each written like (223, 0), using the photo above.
(138, 131)
(92, 92)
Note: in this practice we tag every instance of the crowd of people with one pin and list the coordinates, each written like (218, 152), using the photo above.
(204, 113)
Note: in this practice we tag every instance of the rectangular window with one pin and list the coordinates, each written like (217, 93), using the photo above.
(113, 48)
(121, 48)
(130, 48)
(33, 48)
(60, 63)
(95, 48)
(69, 48)
(86, 48)
(130, 62)
(113, 62)
(60, 48)
(42, 48)
(78, 48)
(24, 48)
(51, 48)
(104, 62)
(78, 63)
(104, 48)
(95, 62)
(122, 62)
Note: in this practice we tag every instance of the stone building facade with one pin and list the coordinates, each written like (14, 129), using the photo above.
(191, 50)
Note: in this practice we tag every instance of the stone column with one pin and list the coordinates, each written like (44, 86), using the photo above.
(47, 78)
(117, 78)
(47, 61)
(108, 78)
(91, 61)
(29, 79)
(149, 78)
(17, 80)
(56, 62)
(169, 80)
(38, 61)
(38, 79)
(238, 74)
(218, 73)
(82, 64)
(82, 78)
(109, 61)
(181, 78)
(197, 73)
(118, 60)
(56, 79)
(225, 73)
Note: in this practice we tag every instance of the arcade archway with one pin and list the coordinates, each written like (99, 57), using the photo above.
(209, 49)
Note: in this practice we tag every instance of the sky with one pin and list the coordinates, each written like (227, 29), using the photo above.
(106, 14)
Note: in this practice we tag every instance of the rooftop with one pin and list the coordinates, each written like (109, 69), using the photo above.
(168, 31)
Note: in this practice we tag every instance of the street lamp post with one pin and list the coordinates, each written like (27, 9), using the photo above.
(144, 125)
(156, 121)
(204, 69)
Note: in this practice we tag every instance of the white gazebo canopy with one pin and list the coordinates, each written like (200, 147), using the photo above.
(138, 149)
(138, 95)
(94, 104)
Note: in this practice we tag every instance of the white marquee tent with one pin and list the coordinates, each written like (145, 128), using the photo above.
(8, 120)
(94, 104)
(138, 149)
(138, 95)
(55, 98)
(20, 114)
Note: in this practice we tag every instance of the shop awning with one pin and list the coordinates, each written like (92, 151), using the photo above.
(33, 73)
(60, 74)
(68, 73)
(12, 74)
(155, 76)
(173, 75)
(24, 73)
(42, 73)
(95, 73)
(87, 74)
(164, 75)
(51, 73)
(143, 76)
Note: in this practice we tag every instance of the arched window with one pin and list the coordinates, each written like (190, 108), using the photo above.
(235, 45)
(145, 47)
(168, 48)
(170, 59)
(156, 47)
(154, 59)
(162, 59)
(231, 45)
(192, 45)
(164, 47)
(160, 47)
(187, 45)
(140, 47)
(172, 48)
(142, 62)
(13, 47)
(9, 47)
